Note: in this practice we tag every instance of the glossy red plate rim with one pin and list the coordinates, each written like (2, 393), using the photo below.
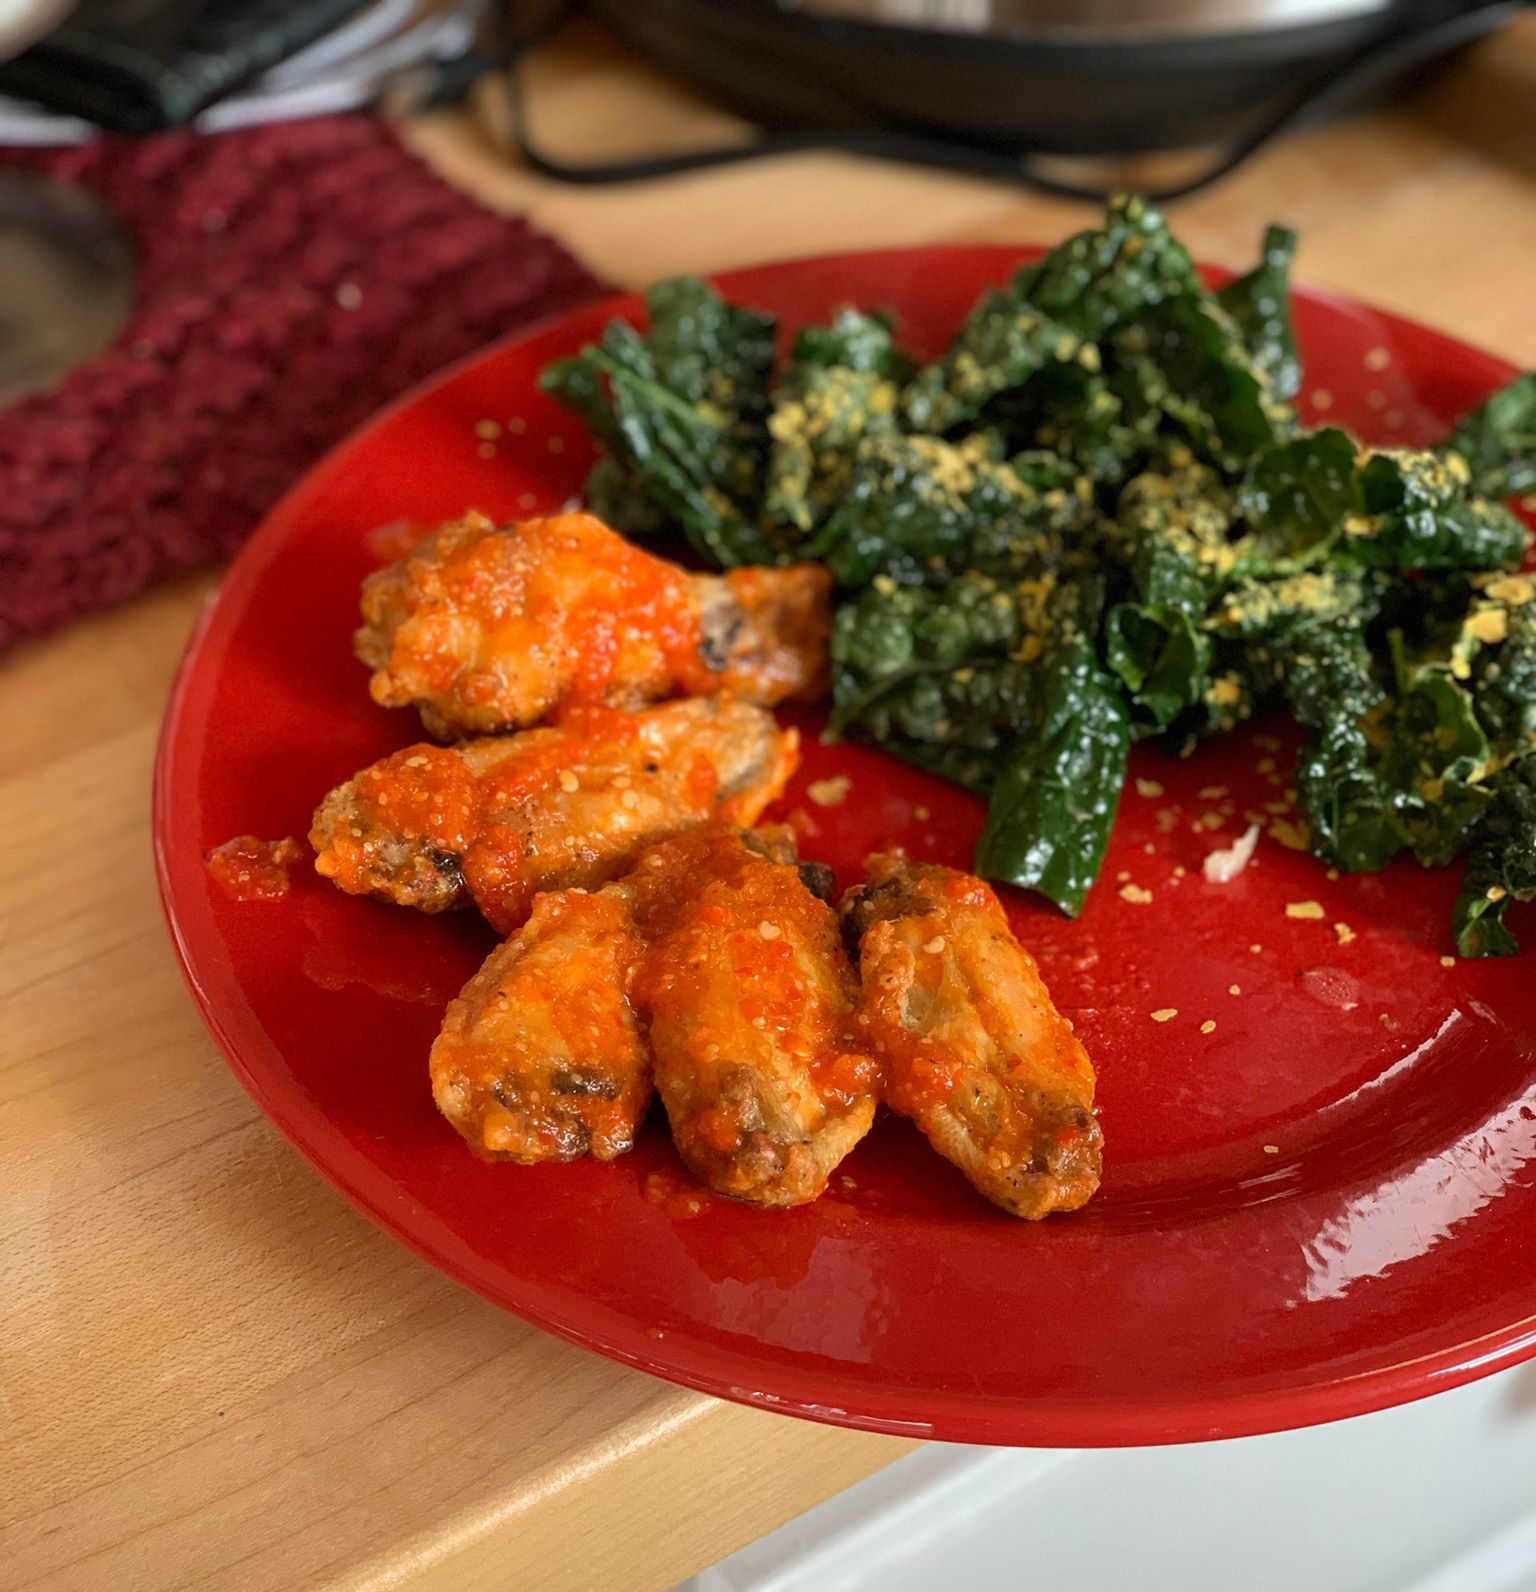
(710, 1368)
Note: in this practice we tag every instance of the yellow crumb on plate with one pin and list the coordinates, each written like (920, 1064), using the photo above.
(829, 792)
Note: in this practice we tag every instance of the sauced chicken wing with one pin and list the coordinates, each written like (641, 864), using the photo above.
(749, 997)
(487, 629)
(494, 821)
(974, 1051)
(540, 1058)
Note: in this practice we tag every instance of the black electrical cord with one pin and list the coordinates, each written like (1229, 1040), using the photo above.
(1367, 68)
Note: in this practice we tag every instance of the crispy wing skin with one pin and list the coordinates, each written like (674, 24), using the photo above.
(765, 632)
(495, 821)
(487, 629)
(974, 1051)
(749, 998)
(540, 1057)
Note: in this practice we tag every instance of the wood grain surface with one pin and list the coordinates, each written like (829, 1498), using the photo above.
(212, 1373)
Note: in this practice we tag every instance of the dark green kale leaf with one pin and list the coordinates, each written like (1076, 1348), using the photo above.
(1437, 759)
(687, 453)
(718, 355)
(1241, 680)
(840, 386)
(1332, 687)
(615, 491)
(1420, 514)
(1002, 343)
(1054, 801)
(1505, 682)
(1173, 531)
(1502, 866)
(1498, 440)
(918, 509)
(1050, 311)
(1260, 306)
(945, 677)
(1110, 274)
(1287, 608)
(1323, 497)
(684, 412)
(1297, 497)
(1214, 392)
(1071, 409)
(929, 665)
(619, 497)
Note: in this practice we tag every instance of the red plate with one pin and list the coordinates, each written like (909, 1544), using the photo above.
(1321, 1205)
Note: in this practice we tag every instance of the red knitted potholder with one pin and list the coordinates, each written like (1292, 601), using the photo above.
(292, 278)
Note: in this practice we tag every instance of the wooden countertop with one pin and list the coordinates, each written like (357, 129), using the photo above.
(213, 1373)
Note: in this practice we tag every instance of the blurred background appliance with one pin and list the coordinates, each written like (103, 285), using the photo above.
(992, 85)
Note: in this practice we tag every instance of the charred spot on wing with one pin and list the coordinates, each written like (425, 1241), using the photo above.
(1070, 1141)
(448, 866)
(583, 1081)
(776, 842)
(819, 879)
(722, 622)
(868, 904)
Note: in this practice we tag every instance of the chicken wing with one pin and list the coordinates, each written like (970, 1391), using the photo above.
(749, 998)
(495, 821)
(540, 1057)
(974, 1051)
(487, 629)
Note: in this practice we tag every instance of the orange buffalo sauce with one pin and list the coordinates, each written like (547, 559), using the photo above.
(714, 901)
(627, 622)
(427, 792)
(675, 1194)
(923, 1076)
(248, 869)
(645, 602)
(432, 795)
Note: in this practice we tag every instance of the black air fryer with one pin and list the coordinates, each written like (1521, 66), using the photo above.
(987, 83)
